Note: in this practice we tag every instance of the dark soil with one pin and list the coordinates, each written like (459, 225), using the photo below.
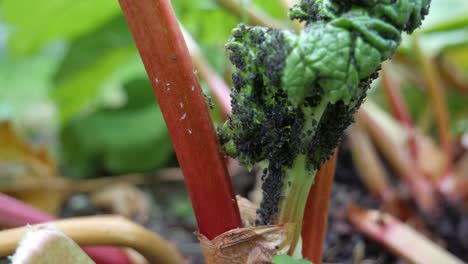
(343, 244)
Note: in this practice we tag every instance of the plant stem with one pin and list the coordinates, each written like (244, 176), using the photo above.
(216, 84)
(316, 212)
(421, 189)
(369, 166)
(399, 238)
(450, 73)
(14, 213)
(168, 64)
(254, 15)
(436, 95)
(399, 109)
(298, 181)
(103, 230)
(293, 205)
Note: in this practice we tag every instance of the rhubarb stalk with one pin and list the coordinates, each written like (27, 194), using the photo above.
(168, 65)
(316, 212)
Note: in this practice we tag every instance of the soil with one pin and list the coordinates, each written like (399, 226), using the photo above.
(345, 245)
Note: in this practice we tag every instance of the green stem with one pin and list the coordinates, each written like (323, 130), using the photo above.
(293, 206)
(299, 179)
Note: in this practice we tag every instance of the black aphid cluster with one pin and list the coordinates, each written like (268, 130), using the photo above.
(328, 68)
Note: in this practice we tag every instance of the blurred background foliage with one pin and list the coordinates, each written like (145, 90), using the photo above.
(71, 77)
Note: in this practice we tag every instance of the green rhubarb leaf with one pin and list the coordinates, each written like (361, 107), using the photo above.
(130, 139)
(93, 61)
(35, 23)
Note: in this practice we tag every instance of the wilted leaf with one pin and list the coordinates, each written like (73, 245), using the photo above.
(20, 161)
(123, 199)
(248, 211)
(47, 245)
(247, 245)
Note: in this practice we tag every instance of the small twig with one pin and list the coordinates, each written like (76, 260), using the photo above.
(64, 184)
(316, 212)
(399, 238)
(103, 230)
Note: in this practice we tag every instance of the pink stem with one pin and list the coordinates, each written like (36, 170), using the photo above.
(14, 213)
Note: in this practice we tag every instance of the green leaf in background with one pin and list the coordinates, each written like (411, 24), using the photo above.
(35, 23)
(81, 90)
(274, 8)
(285, 259)
(458, 110)
(92, 61)
(84, 51)
(446, 15)
(131, 139)
(446, 24)
(24, 88)
(209, 24)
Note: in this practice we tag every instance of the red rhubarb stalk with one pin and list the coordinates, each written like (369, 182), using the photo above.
(315, 218)
(168, 65)
(14, 213)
